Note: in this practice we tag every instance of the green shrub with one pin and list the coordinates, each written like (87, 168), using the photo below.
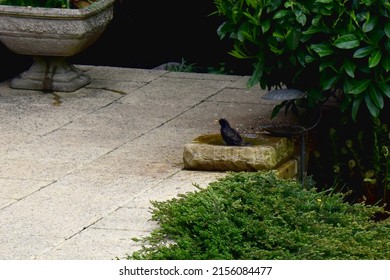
(259, 216)
(324, 47)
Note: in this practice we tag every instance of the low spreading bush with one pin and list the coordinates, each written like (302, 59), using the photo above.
(259, 216)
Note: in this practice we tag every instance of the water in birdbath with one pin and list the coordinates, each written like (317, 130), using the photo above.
(251, 139)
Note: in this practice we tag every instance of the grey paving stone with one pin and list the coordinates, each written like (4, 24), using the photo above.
(4, 202)
(25, 246)
(94, 244)
(19, 188)
(130, 219)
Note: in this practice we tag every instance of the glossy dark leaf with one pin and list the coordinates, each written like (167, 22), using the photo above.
(370, 24)
(376, 96)
(280, 14)
(363, 52)
(301, 18)
(347, 85)
(385, 88)
(358, 86)
(245, 32)
(372, 108)
(252, 19)
(265, 25)
(374, 59)
(226, 29)
(292, 39)
(322, 49)
(257, 73)
(387, 29)
(327, 82)
(312, 30)
(355, 107)
(348, 41)
(386, 63)
(349, 68)
(328, 64)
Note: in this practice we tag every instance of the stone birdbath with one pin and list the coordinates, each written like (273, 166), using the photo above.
(208, 152)
(51, 35)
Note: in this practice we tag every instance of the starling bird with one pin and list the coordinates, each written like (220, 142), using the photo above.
(229, 135)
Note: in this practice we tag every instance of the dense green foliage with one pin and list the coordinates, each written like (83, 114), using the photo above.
(324, 47)
(259, 216)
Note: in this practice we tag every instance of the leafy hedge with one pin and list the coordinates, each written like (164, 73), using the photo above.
(319, 46)
(259, 216)
(329, 49)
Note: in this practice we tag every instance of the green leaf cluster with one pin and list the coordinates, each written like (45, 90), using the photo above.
(318, 46)
(259, 216)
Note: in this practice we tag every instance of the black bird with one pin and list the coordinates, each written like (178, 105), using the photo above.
(229, 135)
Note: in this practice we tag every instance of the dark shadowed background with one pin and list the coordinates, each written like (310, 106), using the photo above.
(145, 34)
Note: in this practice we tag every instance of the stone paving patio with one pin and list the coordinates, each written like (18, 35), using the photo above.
(78, 170)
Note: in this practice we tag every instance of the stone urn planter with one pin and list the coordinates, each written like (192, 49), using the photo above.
(51, 35)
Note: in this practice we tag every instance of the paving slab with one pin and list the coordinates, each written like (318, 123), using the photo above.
(17, 189)
(4, 202)
(36, 170)
(24, 246)
(94, 244)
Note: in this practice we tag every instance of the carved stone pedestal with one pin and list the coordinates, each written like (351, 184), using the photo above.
(51, 74)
